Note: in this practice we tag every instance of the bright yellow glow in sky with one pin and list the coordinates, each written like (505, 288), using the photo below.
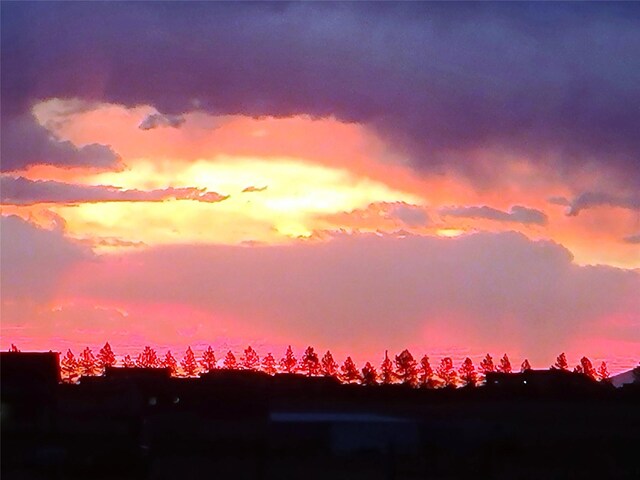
(450, 232)
(296, 193)
(319, 174)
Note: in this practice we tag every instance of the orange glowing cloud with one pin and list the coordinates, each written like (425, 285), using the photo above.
(293, 177)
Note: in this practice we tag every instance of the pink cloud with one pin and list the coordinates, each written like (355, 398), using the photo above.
(357, 294)
(371, 292)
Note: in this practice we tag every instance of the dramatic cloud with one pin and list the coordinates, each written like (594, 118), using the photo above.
(156, 120)
(363, 118)
(25, 143)
(602, 199)
(375, 291)
(21, 191)
(516, 214)
(33, 259)
(554, 82)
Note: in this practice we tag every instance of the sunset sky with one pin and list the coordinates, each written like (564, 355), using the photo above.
(452, 178)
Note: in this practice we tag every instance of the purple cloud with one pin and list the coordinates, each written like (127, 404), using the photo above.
(634, 239)
(22, 191)
(410, 215)
(602, 199)
(516, 214)
(156, 120)
(25, 143)
(555, 82)
(403, 213)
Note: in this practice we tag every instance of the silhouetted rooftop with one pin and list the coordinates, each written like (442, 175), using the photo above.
(137, 373)
(29, 369)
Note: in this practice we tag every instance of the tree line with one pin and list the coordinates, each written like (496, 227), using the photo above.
(403, 369)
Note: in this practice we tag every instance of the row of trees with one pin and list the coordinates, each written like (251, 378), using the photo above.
(585, 366)
(403, 369)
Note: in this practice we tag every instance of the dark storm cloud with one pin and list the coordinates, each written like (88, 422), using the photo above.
(22, 191)
(556, 82)
(515, 214)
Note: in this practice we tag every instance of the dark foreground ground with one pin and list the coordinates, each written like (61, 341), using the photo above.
(141, 424)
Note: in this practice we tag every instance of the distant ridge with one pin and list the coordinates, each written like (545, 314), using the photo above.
(622, 378)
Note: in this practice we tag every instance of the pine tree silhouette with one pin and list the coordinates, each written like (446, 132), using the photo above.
(603, 372)
(369, 375)
(269, 365)
(328, 366)
(250, 359)
(447, 373)
(310, 363)
(127, 362)
(288, 363)
(230, 362)
(87, 363)
(387, 375)
(349, 371)
(148, 358)
(208, 362)
(586, 367)
(468, 373)
(561, 362)
(69, 367)
(526, 366)
(486, 365)
(14, 349)
(106, 358)
(426, 373)
(170, 363)
(406, 368)
(189, 364)
(505, 364)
